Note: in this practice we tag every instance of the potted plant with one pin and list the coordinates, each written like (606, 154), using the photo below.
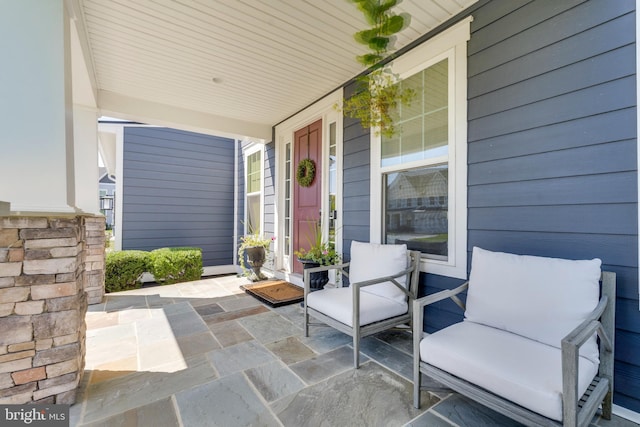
(319, 253)
(255, 247)
(378, 95)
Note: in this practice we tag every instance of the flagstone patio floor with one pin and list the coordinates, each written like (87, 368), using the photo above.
(206, 354)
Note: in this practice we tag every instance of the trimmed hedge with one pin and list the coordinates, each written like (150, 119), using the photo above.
(175, 265)
(124, 270)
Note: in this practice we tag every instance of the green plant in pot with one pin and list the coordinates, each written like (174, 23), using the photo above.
(319, 253)
(378, 94)
(255, 247)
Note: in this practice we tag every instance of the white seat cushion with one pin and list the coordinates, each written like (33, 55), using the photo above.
(372, 261)
(540, 298)
(523, 371)
(337, 304)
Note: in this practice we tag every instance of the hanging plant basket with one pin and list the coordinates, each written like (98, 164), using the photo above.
(306, 172)
(379, 95)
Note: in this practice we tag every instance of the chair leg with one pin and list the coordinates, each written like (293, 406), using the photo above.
(356, 351)
(306, 322)
(607, 406)
(417, 376)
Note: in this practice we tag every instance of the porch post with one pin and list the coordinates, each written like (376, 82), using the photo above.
(85, 135)
(51, 258)
(36, 113)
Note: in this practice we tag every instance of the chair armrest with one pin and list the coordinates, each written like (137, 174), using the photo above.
(570, 356)
(579, 335)
(570, 349)
(420, 303)
(358, 285)
(418, 316)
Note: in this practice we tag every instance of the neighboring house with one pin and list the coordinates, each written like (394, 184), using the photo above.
(107, 186)
(178, 189)
(525, 143)
(416, 211)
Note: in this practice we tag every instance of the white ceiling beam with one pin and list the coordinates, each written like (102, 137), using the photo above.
(82, 59)
(124, 107)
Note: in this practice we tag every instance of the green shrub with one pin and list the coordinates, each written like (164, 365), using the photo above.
(175, 265)
(124, 270)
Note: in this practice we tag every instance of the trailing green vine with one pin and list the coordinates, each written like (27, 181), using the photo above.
(376, 100)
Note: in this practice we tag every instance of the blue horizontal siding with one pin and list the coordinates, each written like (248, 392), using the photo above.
(581, 132)
(615, 250)
(620, 187)
(552, 84)
(590, 160)
(269, 222)
(578, 47)
(356, 182)
(178, 174)
(627, 379)
(269, 189)
(178, 191)
(552, 147)
(537, 26)
(608, 96)
(197, 161)
(594, 219)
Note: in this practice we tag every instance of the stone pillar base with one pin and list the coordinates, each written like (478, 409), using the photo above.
(49, 268)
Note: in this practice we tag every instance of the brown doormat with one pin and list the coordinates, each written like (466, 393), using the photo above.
(275, 293)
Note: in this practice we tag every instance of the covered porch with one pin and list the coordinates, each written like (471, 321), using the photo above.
(206, 354)
(542, 159)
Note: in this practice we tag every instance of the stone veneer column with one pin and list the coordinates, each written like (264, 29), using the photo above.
(49, 267)
(94, 244)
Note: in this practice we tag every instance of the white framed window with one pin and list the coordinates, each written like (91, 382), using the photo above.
(288, 207)
(254, 167)
(419, 176)
(331, 161)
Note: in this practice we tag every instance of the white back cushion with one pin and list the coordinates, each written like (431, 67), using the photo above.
(372, 261)
(539, 298)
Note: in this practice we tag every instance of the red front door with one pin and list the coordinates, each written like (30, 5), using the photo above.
(307, 201)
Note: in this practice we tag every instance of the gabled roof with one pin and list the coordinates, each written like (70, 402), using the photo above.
(104, 177)
(418, 184)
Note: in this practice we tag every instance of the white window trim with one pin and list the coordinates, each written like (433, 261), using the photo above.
(452, 44)
(333, 117)
(323, 109)
(248, 151)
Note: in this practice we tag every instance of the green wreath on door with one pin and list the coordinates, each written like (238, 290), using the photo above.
(306, 172)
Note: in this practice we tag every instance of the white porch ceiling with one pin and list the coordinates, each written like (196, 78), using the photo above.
(237, 66)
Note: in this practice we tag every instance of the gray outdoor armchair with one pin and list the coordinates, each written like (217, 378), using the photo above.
(536, 343)
(383, 284)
